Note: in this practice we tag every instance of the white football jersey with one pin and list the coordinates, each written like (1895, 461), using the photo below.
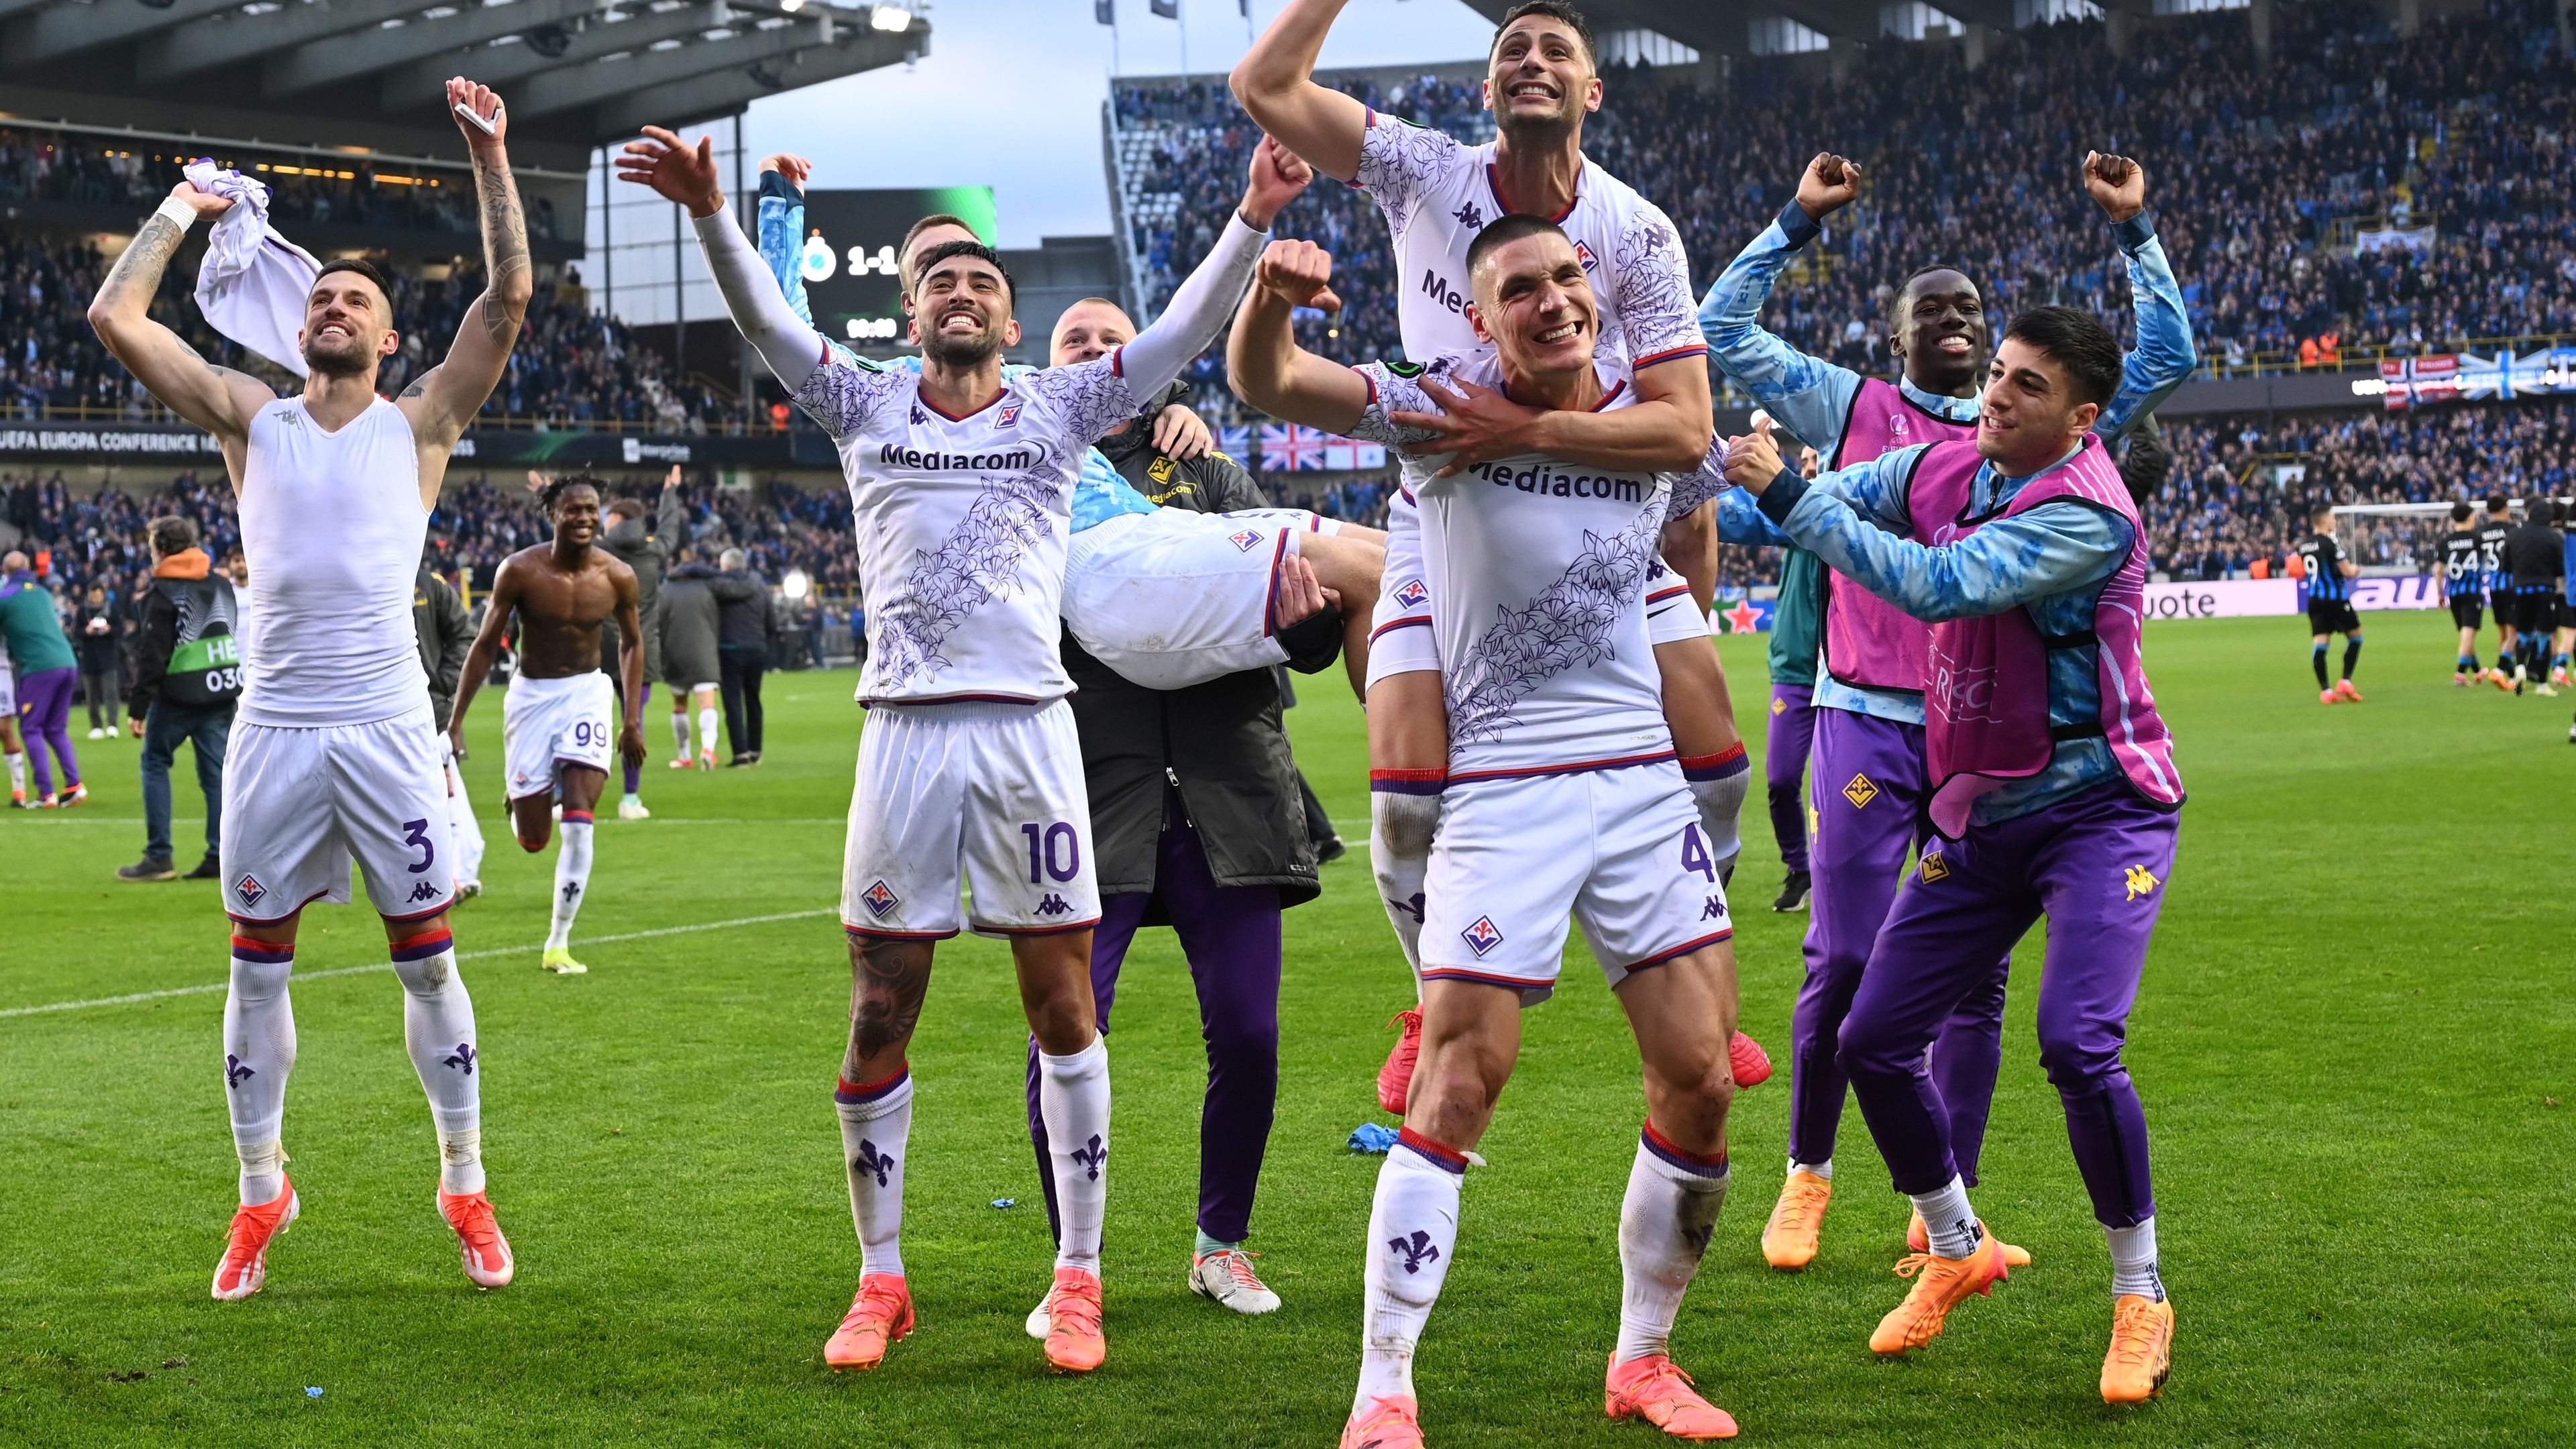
(961, 522)
(1438, 192)
(1536, 571)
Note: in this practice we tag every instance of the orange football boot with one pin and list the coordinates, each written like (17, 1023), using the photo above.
(244, 1267)
(2344, 691)
(2141, 1356)
(1940, 1284)
(478, 1238)
(1395, 1079)
(1789, 1239)
(1074, 1343)
(880, 1313)
(1655, 1389)
(1918, 1238)
(1393, 1422)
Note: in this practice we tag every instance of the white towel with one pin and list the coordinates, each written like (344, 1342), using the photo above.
(254, 283)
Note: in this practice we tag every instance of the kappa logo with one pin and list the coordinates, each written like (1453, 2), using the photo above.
(1010, 416)
(1860, 791)
(1415, 1250)
(920, 419)
(423, 891)
(236, 1071)
(1482, 936)
(1715, 910)
(2141, 882)
(1935, 867)
(250, 890)
(879, 900)
(1469, 217)
(1584, 255)
(462, 1058)
(1245, 541)
(873, 1163)
(1093, 1157)
(1054, 905)
(1413, 595)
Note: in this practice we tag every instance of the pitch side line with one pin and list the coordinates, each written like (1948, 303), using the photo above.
(489, 951)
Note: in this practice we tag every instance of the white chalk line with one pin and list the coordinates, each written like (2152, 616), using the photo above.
(489, 951)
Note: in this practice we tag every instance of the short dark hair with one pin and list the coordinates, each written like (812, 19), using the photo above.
(2460, 511)
(1557, 10)
(172, 533)
(623, 507)
(2322, 513)
(2539, 510)
(362, 267)
(936, 218)
(1503, 231)
(1928, 268)
(977, 250)
(2080, 344)
(565, 484)
(2497, 504)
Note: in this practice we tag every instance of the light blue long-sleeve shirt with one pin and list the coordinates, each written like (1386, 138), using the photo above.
(1099, 495)
(1811, 398)
(2052, 560)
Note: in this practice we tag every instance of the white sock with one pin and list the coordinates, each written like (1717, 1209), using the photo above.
(876, 1126)
(1404, 810)
(17, 772)
(438, 1028)
(1949, 1219)
(680, 731)
(2133, 1261)
(707, 728)
(1413, 1233)
(259, 1052)
(572, 877)
(1824, 1169)
(1718, 784)
(1073, 1102)
(1664, 1226)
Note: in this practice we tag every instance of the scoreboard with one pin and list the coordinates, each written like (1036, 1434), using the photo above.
(848, 256)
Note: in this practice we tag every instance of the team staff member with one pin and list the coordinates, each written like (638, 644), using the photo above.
(446, 632)
(2330, 577)
(46, 672)
(94, 624)
(748, 618)
(692, 620)
(187, 675)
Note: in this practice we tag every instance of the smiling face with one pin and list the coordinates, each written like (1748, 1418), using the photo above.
(2033, 412)
(908, 266)
(1087, 330)
(962, 311)
(1535, 304)
(1540, 76)
(576, 515)
(348, 325)
(1940, 333)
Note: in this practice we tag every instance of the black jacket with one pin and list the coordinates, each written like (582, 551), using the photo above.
(2534, 557)
(97, 651)
(157, 633)
(1221, 744)
(648, 554)
(446, 634)
(748, 615)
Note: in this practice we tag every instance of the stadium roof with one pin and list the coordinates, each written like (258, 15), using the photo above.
(1724, 27)
(574, 73)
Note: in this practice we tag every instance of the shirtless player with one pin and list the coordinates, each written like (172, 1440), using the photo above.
(554, 721)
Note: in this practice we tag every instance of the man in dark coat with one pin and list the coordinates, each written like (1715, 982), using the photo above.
(691, 623)
(187, 676)
(748, 620)
(648, 553)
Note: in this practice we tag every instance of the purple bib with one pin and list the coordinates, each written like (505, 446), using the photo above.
(1869, 641)
(1985, 696)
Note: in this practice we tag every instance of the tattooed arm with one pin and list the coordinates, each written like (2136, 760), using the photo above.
(447, 397)
(217, 399)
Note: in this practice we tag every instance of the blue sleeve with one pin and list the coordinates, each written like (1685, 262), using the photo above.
(1739, 521)
(781, 241)
(2055, 548)
(1874, 490)
(2165, 355)
(1807, 395)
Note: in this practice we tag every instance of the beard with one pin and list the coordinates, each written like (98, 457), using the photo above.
(952, 351)
(347, 363)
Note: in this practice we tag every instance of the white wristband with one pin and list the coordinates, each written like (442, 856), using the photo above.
(180, 213)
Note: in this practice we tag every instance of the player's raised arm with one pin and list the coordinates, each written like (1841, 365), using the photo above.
(1808, 395)
(447, 397)
(2164, 356)
(217, 399)
(687, 175)
(1275, 81)
(1263, 363)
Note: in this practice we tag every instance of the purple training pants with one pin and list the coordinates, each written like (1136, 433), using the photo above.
(1792, 728)
(1230, 935)
(2095, 865)
(45, 720)
(1869, 794)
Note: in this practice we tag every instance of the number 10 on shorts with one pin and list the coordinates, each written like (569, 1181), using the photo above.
(1055, 851)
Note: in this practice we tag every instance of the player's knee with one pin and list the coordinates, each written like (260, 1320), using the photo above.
(532, 843)
(1865, 1048)
(2074, 1057)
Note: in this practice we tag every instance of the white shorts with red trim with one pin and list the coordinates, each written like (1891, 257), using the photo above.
(1172, 598)
(547, 723)
(1672, 614)
(980, 795)
(299, 804)
(1400, 635)
(1618, 851)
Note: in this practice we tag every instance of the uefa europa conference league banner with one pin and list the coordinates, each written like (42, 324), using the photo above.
(186, 446)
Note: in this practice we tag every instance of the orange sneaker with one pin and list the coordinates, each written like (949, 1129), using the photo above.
(2500, 680)
(244, 1267)
(2141, 1356)
(478, 1238)
(1074, 1343)
(1942, 1284)
(2344, 691)
(1655, 1389)
(1789, 1239)
(880, 1313)
(1394, 1422)
(1918, 1238)
(2328, 696)
(1747, 1060)
(1395, 1079)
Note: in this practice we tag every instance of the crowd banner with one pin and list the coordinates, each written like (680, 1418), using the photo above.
(2467, 377)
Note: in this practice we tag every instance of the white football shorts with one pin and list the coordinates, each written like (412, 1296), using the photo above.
(299, 803)
(1171, 599)
(1671, 613)
(8, 691)
(546, 723)
(989, 796)
(1400, 637)
(1619, 851)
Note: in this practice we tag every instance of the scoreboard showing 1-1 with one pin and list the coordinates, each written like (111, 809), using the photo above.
(848, 256)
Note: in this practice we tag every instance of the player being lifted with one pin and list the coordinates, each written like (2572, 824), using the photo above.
(969, 770)
(334, 753)
(2463, 579)
(2330, 577)
(1869, 742)
(1542, 79)
(1536, 571)
(554, 720)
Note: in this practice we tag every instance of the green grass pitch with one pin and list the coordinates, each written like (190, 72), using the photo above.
(2353, 1043)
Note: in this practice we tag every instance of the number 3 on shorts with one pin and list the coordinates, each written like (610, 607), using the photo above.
(417, 833)
(1044, 841)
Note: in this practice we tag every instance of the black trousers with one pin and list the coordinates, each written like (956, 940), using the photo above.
(742, 666)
